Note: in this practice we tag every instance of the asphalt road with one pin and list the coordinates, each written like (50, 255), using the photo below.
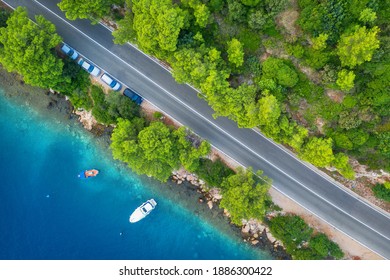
(301, 182)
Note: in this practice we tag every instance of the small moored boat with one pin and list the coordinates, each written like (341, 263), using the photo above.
(88, 173)
(142, 211)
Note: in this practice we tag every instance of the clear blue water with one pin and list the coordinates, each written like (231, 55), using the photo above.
(46, 212)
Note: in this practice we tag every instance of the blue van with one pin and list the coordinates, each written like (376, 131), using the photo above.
(133, 96)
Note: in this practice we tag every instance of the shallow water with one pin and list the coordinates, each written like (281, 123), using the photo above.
(46, 212)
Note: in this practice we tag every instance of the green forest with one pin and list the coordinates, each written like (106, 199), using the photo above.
(311, 74)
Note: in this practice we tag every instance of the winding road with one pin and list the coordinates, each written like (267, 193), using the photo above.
(299, 181)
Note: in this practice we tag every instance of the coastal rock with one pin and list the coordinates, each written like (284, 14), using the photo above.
(215, 193)
(200, 200)
(86, 118)
(270, 237)
(179, 182)
(245, 229)
(210, 204)
(255, 242)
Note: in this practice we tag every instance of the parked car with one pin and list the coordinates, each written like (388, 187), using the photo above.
(133, 96)
(111, 82)
(69, 52)
(87, 66)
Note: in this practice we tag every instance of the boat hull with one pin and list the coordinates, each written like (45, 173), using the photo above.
(88, 173)
(142, 211)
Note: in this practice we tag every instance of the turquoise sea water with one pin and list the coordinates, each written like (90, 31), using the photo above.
(46, 212)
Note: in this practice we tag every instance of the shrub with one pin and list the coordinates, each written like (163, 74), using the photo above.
(291, 230)
(100, 108)
(381, 191)
(213, 173)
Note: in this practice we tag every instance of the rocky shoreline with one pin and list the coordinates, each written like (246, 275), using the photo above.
(252, 232)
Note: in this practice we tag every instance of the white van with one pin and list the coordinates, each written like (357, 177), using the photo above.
(111, 82)
(87, 66)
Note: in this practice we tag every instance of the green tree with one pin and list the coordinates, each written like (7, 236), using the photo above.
(291, 230)
(235, 52)
(158, 152)
(27, 48)
(243, 196)
(194, 65)
(384, 143)
(240, 105)
(269, 113)
(275, 68)
(236, 11)
(157, 24)
(125, 31)
(291, 133)
(202, 15)
(345, 80)
(319, 43)
(90, 9)
(341, 163)
(349, 120)
(367, 16)
(152, 150)
(318, 151)
(382, 192)
(100, 108)
(251, 3)
(213, 172)
(325, 247)
(191, 149)
(355, 48)
(257, 20)
(121, 106)
(124, 139)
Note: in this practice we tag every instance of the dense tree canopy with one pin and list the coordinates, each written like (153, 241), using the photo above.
(91, 9)
(28, 49)
(358, 47)
(345, 80)
(235, 52)
(318, 151)
(155, 150)
(157, 24)
(274, 68)
(243, 196)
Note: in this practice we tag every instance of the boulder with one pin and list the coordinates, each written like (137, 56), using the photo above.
(245, 229)
(255, 242)
(179, 182)
(210, 204)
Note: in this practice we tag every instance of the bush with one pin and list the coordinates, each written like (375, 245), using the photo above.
(381, 191)
(101, 107)
(121, 106)
(297, 236)
(291, 230)
(278, 69)
(213, 173)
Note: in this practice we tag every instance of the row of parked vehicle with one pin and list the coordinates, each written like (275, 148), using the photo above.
(94, 71)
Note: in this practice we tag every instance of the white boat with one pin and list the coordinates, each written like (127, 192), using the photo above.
(143, 210)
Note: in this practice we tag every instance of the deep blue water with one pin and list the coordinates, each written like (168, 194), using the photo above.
(46, 212)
